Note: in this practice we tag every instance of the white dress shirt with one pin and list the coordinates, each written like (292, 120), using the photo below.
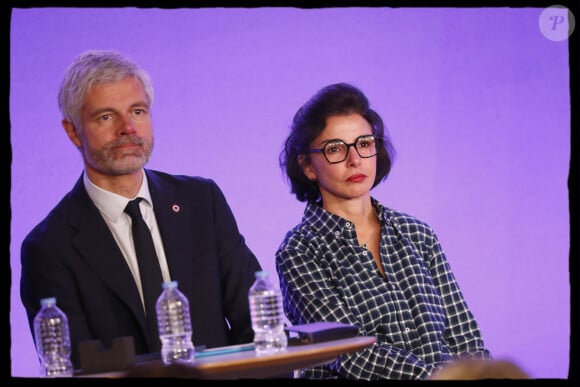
(112, 208)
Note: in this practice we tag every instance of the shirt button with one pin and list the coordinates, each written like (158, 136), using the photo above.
(407, 330)
(337, 233)
(347, 224)
(365, 252)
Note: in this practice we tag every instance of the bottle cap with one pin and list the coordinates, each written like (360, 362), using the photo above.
(48, 301)
(261, 274)
(169, 285)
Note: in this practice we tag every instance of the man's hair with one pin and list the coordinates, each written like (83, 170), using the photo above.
(91, 68)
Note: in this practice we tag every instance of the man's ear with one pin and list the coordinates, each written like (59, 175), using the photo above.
(71, 132)
(306, 167)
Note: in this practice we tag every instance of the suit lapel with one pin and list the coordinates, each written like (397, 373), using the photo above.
(97, 246)
(172, 213)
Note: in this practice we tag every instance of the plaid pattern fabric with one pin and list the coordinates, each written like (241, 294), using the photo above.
(417, 313)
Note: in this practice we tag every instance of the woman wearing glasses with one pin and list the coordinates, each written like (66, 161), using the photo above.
(355, 261)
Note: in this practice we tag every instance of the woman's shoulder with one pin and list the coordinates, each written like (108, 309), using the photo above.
(406, 222)
(299, 233)
(298, 238)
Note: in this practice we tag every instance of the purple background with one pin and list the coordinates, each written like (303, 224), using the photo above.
(476, 101)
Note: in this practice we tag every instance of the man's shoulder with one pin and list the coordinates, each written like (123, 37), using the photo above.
(163, 185)
(70, 207)
(164, 178)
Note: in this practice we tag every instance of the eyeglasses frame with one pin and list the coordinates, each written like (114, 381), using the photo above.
(353, 144)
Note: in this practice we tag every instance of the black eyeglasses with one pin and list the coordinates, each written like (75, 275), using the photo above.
(336, 151)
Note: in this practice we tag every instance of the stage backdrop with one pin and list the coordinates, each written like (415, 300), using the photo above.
(476, 101)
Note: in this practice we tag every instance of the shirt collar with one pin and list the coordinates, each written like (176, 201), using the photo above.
(110, 204)
(325, 222)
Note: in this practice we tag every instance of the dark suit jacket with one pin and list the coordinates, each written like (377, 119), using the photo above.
(72, 255)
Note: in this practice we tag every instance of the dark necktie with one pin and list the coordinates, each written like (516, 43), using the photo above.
(148, 270)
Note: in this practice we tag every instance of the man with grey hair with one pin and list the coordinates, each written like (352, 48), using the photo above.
(83, 253)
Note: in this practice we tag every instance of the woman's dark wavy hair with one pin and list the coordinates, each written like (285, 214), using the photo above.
(310, 120)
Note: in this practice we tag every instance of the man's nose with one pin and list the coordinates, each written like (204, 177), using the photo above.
(127, 126)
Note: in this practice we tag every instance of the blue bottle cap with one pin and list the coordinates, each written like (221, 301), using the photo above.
(48, 301)
(169, 285)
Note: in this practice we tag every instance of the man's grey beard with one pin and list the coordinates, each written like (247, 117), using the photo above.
(105, 162)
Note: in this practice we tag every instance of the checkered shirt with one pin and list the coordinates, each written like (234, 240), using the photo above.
(417, 312)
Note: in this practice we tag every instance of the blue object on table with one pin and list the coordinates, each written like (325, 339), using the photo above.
(203, 352)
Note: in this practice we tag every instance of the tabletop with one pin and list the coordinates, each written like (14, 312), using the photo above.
(247, 364)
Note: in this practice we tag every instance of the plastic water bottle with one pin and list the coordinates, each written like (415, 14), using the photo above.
(267, 315)
(174, 324)
(52, 339)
